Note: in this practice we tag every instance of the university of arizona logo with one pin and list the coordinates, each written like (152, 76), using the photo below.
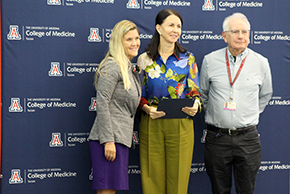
(203, 136)
(94, 35)
(133, 4)
(135, 137)
(91, 175)
(93, 105)
(55, 69)
(55, 140)
(13, 33)
(208, 5)
(15, 177)
(53, 2)
(15, 105)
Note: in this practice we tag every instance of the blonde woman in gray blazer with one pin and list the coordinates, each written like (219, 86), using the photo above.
(118, 96)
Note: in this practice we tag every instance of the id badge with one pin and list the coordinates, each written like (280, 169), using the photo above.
(230, 105)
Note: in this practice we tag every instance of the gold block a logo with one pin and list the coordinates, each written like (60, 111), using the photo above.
(208, 5)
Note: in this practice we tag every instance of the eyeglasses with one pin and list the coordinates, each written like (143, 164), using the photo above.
(237, 32)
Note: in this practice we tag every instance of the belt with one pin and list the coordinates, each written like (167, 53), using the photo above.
(232, 131)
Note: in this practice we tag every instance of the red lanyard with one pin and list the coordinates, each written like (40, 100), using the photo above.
(229, 70)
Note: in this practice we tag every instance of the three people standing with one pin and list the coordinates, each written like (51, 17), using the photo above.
(235, 83)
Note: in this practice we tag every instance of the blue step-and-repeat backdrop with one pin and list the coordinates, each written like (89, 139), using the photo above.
(50, 52)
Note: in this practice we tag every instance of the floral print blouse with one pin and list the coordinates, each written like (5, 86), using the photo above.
(178, 78)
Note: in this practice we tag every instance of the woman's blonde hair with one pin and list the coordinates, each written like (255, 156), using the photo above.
(117, 51)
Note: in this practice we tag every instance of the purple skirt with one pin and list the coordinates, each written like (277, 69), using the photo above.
(106, 174)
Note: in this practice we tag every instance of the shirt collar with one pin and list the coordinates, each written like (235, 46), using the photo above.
(240, 56)
(176, 53)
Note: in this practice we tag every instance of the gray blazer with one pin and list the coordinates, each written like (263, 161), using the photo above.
(116, 107)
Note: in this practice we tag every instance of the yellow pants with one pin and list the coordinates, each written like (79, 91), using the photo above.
(166, 149)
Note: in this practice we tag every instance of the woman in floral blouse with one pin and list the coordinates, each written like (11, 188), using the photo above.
(166, 145)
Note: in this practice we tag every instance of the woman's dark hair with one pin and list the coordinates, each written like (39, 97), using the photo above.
(152, 49)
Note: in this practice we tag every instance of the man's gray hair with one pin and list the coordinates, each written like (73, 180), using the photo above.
(235, 15)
